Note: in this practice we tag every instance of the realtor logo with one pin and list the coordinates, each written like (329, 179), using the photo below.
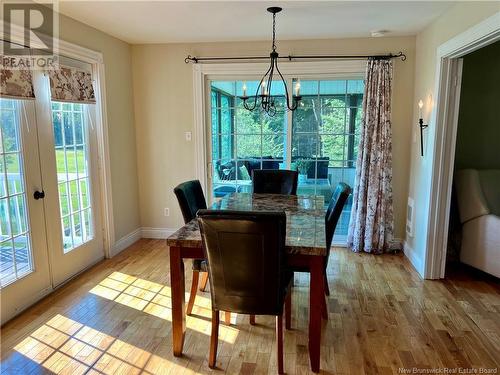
(30, 34)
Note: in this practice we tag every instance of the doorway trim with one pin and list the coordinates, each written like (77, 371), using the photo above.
(444, 130)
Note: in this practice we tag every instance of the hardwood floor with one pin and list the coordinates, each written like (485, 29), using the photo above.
(115, 319)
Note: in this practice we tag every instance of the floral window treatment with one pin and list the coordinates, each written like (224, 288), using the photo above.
(16, 84)
(371, 228)
(71, 85)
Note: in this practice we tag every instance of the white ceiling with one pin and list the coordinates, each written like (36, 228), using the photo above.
(209, 21)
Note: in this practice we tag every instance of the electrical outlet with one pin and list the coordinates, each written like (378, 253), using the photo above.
(166, 211)
(188, 136)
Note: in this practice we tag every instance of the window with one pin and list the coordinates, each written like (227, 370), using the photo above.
(15, 245)
(325, 138)
(242, 140)
(322, 143)
(71, 147)
(222, 124)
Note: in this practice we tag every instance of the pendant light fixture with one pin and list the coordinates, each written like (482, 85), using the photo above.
(263, 98)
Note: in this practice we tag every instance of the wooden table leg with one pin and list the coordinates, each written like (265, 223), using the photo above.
(178, 296)
(316, 299)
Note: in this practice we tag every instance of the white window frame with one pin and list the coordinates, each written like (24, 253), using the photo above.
(203, 73)
(96, 60)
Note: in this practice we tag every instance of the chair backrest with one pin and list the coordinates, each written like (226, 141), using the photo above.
(191, 199)
(334, 210)
(246, 260)
(274, 181)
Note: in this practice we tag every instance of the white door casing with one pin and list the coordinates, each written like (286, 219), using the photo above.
(442, 136)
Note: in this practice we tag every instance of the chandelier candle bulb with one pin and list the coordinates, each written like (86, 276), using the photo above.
(244, 89)
(297, 88)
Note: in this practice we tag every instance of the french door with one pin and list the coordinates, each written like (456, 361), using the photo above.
(50, 198)
(69, 164)
(24, 265)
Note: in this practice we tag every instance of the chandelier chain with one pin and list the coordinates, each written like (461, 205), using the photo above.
(274, 32)
(266, 100)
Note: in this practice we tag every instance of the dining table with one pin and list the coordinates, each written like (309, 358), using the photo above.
(305, 248)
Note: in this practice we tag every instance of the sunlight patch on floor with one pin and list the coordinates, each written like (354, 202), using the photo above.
(62, 345)
(155, 299)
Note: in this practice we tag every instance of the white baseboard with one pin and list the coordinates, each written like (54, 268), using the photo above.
(125, 241)
(158, 233)
(136, 235)
(414, 258)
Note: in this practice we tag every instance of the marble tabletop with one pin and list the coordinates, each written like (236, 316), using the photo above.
(305, 232)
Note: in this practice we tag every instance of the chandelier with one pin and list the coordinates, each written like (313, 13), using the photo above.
(263, 98)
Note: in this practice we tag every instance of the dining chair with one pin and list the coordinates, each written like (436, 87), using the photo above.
(332, 216)
(251, 278)
(274, 181)
(191, 199)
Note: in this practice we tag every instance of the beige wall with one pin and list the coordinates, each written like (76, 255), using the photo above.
(163, 90)
(121, 130)
(456, 20)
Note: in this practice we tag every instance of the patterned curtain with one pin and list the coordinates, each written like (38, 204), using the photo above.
(16, 84)
(371, 226)
(71, 85)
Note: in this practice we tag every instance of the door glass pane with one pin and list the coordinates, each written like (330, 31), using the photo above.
(244, 140)
(15, 247)
(72, 162)
(325, 138)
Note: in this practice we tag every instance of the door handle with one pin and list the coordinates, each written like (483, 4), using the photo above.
(39, 194)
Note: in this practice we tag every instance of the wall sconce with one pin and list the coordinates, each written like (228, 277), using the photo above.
(422, 126)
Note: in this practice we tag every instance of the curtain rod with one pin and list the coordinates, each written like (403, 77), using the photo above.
(401, 55)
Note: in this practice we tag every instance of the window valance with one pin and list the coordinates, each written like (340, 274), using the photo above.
(17, 84)
(71, 85)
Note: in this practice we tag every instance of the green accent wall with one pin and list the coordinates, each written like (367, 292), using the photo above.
(478, 137)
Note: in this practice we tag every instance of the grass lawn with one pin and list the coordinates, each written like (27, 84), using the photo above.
(74, 159)
(68, 192)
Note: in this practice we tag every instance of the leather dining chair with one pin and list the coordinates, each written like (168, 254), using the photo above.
(332, 216)
(274, 181)
(191, 199)
(253, 277)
